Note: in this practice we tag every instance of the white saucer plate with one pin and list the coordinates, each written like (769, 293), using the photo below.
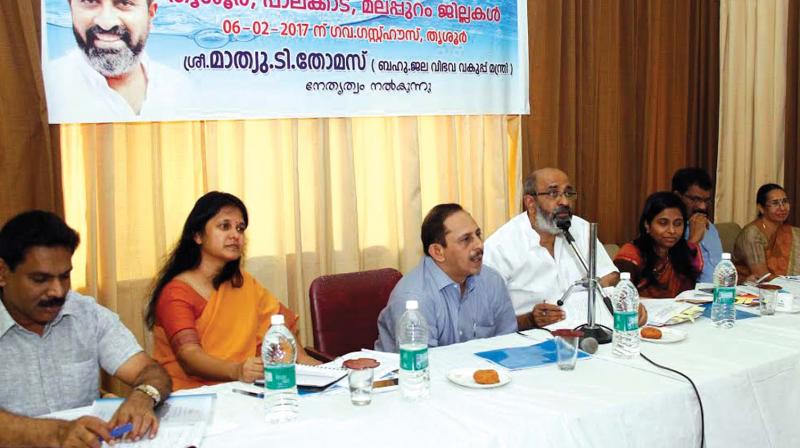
(463, 377)
(668, 336)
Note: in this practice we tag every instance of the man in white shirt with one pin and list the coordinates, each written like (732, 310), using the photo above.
(535, 259)
(109, 76)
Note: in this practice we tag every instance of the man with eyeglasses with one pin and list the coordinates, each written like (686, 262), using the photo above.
(536, 261)
(694, 187)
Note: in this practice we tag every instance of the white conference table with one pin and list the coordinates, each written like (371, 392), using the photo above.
(748, 377)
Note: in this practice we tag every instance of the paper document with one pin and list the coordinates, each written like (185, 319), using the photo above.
(183, 420)
(661, 312)
(537, 355)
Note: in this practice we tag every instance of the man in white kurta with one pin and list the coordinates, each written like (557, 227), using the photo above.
(537, 263)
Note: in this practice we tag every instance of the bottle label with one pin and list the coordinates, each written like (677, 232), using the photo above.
(279, 377)
(626, 320)
(414, 359)
(724, 295)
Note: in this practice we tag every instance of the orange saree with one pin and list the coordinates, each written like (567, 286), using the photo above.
(230, 325)
(670, 283)
(781, 255)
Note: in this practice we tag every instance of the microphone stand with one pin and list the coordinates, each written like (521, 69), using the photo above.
(590, 329)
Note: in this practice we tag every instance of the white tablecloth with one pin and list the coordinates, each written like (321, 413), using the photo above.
(748, 377)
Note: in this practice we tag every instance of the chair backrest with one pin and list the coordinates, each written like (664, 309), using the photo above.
(728, 231)
(345, 308)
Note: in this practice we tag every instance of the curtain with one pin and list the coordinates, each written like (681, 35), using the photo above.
(792, 164)
(29, 161)
(324, 195)
(623, 93)
(753, 42)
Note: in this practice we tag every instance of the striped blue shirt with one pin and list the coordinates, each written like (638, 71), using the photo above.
(711, 249)
(484, 310)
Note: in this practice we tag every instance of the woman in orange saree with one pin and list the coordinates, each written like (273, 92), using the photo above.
(768, 246)
(207, 314)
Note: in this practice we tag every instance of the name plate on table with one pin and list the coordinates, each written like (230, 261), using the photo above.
(516, 358)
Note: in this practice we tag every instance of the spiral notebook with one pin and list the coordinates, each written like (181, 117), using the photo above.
(315, 377)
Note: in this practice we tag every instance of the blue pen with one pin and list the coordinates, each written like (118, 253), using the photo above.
(121, 430)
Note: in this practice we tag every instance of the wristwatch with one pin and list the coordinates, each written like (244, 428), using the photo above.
(151, 392)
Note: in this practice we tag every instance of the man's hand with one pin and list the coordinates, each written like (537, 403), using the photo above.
(698, 224)
(84, 432)
(251, 370)
(545, 314)
(137, 409)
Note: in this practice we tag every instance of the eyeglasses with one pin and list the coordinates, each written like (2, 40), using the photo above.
(775, 203)
(698, 199)
(555, 194)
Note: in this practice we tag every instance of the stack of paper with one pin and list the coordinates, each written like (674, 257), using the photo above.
(183, 420)
(661, 312)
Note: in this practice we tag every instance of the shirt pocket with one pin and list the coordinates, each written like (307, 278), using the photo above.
(79, 383)
(484, 330)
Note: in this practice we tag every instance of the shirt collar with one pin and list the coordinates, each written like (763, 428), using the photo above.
(441, 278)
(7, 322)
(534, 240)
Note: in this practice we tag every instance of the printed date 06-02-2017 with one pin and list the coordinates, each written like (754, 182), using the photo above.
(264, 28)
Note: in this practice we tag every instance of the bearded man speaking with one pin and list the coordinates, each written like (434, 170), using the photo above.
(109, 76)
(538, 265)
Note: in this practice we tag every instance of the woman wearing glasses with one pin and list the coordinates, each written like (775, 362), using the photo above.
(661, 261)
(768, 246)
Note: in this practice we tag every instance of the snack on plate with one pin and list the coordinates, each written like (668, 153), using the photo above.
(360, 363)
(651, 333)
(486, 376)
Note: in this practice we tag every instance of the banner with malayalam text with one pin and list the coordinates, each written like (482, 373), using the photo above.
(162, 60)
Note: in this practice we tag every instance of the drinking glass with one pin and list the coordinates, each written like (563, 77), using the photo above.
(767, 298)
(567, 351)
(360, 381)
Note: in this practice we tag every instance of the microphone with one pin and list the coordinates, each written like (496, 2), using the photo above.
(589, 345)
(564, 224)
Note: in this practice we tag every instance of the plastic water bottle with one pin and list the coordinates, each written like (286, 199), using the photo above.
(723, 310)
(279, 352)
(412, 339)
(626, 318)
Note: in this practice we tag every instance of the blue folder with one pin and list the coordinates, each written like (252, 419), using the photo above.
(535, 355)
(739, 313)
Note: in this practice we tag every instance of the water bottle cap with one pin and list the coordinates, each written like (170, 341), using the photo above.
(726, 256)
(412, 305)
(624, 275)
(277, 319)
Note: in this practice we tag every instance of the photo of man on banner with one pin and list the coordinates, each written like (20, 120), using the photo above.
(109, 76)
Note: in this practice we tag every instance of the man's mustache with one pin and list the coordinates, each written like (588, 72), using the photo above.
(476, 255)
(55, 301)
(562, 209)
(117, 30)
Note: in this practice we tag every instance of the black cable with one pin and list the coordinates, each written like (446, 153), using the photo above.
(696, 392)
(534, 328)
